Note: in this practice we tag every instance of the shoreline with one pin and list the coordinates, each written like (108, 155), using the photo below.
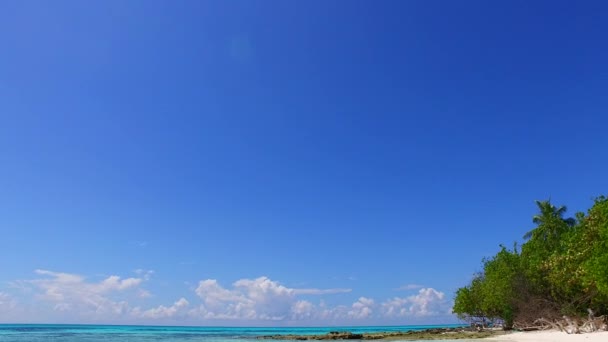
(456, 333)
(450, 334)
(550, 336)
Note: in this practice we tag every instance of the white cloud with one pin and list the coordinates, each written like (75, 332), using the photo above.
(6, 302)
(362, 308)
(145, 274)
(427, 302)
(179, 307)
(73, 295)
(302, 310)
(67, 297)
(115, 283)
(256, 299)
(141, 293)
(243, 300)
(10, 310)
(61, 277)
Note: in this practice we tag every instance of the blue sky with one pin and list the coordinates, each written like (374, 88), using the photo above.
(282, 162)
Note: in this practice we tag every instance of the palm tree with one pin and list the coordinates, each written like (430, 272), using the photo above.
(550, 221)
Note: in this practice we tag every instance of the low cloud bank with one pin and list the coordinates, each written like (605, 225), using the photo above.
(74, 298)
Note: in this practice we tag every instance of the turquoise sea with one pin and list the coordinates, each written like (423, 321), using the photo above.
(118, 333)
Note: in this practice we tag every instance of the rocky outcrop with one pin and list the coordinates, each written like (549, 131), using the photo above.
(333, 335)
(428, 334)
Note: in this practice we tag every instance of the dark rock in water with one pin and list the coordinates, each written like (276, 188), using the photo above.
(332, 335)
(433, 333)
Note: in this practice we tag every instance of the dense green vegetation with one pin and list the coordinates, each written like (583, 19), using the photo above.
(561, 269)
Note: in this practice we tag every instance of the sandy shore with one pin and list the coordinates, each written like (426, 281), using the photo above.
(553, 336)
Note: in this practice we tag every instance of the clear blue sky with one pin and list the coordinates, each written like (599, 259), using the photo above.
(342, 149)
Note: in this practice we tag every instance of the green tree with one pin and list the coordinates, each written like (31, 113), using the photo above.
(562, 269)
(596, 266)
(492, 294)
(468, 301)
(544, 241)
(565, 272)
(499, 289)
(550, 222)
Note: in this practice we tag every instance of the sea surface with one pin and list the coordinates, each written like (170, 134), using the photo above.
(132, 333)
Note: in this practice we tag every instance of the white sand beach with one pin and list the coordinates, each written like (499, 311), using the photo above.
(551, 335)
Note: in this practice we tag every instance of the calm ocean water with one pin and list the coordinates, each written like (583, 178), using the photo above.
(114, 333)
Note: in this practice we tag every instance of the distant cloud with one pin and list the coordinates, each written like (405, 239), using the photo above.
(427, 302)
(60, 277)
(74, 298)
(145, 274)
(141, 293)
(178, 308)
(115, 283)
(72, 293)
(9, 309)
(6, 302)
(409, 287)
(257, 299)
(362, 308)
(302, 310)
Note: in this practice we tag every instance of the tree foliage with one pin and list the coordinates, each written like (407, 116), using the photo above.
(562, 269)
(468, 302)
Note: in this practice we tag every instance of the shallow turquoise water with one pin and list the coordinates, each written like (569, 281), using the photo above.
(114, 333)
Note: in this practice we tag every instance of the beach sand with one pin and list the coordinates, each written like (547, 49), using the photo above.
(551, 335)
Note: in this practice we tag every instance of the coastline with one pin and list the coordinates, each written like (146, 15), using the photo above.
(450, 334)
(456, 333)
(135, 333)
(550, 336)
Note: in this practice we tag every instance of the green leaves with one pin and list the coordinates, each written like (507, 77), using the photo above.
(562, 269)
(596, 266)
(491, 294)
(498, 287)
(468, 304)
